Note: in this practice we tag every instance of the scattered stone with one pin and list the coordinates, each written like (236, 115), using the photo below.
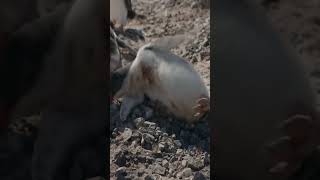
(195, 5)
(150, 160)
(179, 151)
(187, 172)
(183, 163)
(140, 172)
(196, 164)
(149, 177)
(161, 147)
(159, 170)
(171, 171)
(139, 122)
(150, 124)
(126, 135)
(170, 3)
(165, 163)
(120, 159)
(148, 138)
(121, 172)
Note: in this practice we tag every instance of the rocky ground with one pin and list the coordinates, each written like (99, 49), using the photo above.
(152, 144)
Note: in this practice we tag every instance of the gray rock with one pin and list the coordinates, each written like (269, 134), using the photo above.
(150, 160)
(196, 164)
(140, 172)
(179, 151)
(120, 159)
(150, 124)
(139, 122)
(187, 172)
(161, 147)
(148, 138)
(171, 171)
(157, 169)
(126, 135)
(149, 177)
(141, 158)
(184, 163)
(121, 172)
(170, 3)
(165, 163)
